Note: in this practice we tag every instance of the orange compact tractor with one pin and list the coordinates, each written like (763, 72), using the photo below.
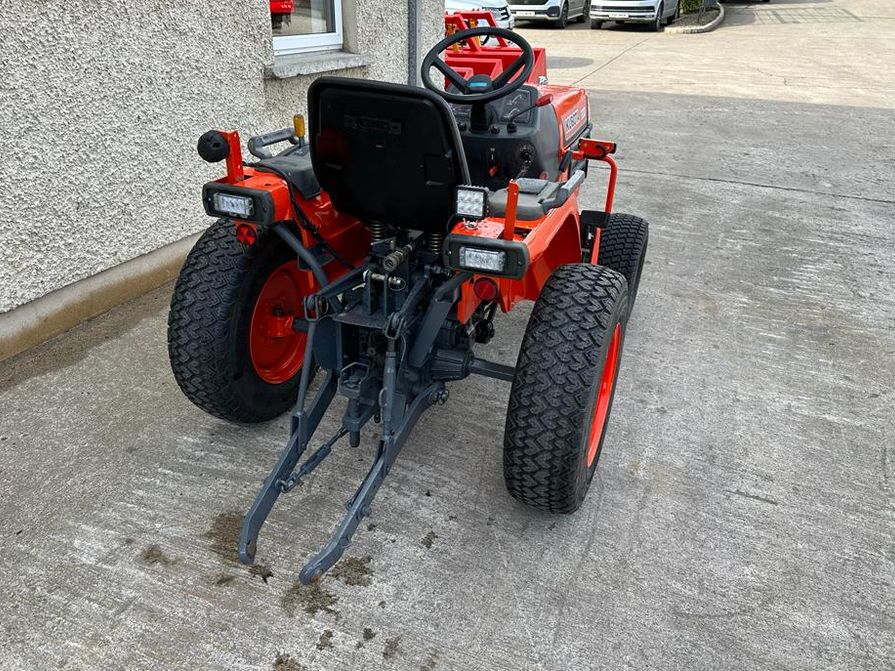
(369, 260)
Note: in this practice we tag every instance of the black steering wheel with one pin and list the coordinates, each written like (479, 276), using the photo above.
(479, 88)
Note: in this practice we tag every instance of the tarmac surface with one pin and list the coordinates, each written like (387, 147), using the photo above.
(743, 511)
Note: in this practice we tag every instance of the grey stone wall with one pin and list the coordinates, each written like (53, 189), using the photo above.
(101, 103)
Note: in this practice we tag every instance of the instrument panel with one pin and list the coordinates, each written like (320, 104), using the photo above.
(505, 107)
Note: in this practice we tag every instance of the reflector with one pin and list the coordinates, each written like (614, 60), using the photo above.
(485, 288)
(246, 234)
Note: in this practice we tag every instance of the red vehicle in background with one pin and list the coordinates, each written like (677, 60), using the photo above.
(281, 12)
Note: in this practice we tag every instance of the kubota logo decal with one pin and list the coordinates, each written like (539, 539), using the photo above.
(571, 121)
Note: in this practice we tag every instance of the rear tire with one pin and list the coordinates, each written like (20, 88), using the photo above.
(674, 17)
(562, 391)
(623, 243)
(585, 12)
(210, 326)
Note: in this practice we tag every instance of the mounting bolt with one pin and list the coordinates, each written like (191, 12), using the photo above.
(396, 283)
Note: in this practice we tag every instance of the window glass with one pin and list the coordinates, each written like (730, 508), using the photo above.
(302, 17)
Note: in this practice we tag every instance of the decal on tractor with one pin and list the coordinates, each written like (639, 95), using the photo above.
(337, 267)
(572, 120)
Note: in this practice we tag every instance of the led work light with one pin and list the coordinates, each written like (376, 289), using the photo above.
(486, 256)
(236, 202)
(471, 202)
(239, 207)
(487, 260)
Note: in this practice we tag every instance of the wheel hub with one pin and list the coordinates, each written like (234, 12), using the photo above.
(275, 347)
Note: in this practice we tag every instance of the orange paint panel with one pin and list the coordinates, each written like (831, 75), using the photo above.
(552, 241)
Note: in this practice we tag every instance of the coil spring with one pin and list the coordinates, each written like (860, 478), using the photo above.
(434, 242)
(377, 231)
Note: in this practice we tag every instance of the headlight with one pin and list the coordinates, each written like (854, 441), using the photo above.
(239, 207)
(487, 256)
(236, 202)
(471, 202)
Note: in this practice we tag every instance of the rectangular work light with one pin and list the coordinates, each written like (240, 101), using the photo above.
(236, 202)
(486, 256)
(471, 202)
(486, 260)
(240, 207)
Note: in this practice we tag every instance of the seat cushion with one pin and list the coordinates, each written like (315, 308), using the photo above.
(296, 167)
(532, 195)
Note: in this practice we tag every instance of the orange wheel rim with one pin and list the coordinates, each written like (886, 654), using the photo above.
(604, 395)
(276, 349)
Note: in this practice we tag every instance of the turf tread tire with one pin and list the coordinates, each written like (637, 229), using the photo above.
(555, 386)
(623, 243)
(208, 326)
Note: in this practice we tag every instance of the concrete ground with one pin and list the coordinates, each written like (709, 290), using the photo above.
(744, 510)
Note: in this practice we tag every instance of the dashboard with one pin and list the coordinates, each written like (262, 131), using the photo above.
(505, 107)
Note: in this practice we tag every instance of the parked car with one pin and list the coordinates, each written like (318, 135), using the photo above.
(498, 8)
(557, 12)
(656, 13)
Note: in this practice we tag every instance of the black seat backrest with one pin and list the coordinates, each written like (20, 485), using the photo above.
(386, 153)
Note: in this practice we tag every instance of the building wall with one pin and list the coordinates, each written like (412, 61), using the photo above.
(101, 104)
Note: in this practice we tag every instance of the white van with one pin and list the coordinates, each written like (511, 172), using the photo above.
(656, 13)
(557, 12)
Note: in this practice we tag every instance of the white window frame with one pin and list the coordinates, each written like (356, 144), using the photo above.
(286, 45)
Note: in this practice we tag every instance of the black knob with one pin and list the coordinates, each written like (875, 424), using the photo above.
(213, 146)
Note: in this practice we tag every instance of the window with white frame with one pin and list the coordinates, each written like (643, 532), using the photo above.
(301, 26)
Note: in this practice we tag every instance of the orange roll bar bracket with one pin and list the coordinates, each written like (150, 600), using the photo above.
(235, 173)
(509, 222)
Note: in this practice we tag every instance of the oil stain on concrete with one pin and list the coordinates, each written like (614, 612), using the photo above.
(325, 642)
(310, 598)
(286, 662)
(153, 555)
(390, 651)
(353, 571)
(224, 535)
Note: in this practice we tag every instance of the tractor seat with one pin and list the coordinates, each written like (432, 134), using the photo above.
(386, 153)
(536, 198)
(295, 167)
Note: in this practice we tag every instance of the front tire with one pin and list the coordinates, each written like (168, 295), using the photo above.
(596, 25)
(623, 243)
(563, 19)
(563, 388)
(230, 342)
(656, 25)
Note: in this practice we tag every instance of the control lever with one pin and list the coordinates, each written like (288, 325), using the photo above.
(545, 99)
